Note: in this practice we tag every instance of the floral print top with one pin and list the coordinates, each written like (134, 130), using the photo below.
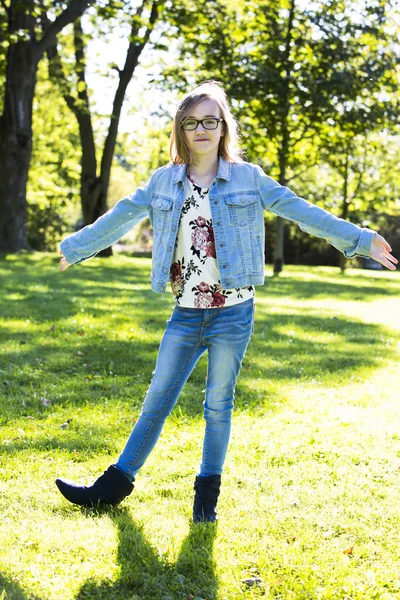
(194, 273)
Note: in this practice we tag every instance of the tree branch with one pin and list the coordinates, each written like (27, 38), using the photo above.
(56, 71)
(132, 58)
(80, 63)
(298, 174)
(74, 10)
(78, 106)
(303, 136)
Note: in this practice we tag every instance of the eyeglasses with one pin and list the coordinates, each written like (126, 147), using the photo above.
(209, 123)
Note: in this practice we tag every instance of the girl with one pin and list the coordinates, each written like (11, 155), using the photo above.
(206, 209)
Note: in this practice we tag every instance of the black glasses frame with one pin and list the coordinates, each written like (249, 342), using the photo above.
(202, 123)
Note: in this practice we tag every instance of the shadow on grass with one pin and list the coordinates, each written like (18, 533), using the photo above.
(80, 445)
(52, 357)
(11, 590)
(36, 279)
(146, 574)
(340, 287)
(276, 353)
(143, 572)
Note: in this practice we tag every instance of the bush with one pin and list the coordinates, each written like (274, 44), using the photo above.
(45, 227)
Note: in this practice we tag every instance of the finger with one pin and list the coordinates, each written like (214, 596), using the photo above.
(383, 253)
(390, 256)
(384, 259)
(387, 246)
(386, 263)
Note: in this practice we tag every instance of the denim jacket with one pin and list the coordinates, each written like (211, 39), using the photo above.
(238, 196)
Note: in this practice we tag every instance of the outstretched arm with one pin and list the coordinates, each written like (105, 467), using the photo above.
(108, 228)
(350, 239)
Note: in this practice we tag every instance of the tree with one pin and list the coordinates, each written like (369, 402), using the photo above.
(26, 38)
(95, 179)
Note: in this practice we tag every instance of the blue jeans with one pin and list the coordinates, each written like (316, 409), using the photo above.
(225, 333)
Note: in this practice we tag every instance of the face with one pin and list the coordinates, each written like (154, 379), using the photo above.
(203, 143)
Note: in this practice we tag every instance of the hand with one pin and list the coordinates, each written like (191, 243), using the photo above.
(380, 251)
(63, 264)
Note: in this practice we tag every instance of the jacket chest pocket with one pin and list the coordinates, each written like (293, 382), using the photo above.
(242, 208)
(162, 211)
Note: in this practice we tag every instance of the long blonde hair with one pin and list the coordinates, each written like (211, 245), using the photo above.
(228, 145)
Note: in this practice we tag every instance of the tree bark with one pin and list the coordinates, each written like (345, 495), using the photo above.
(16, 148)
(284, 149)
(16, 133)
(345, 206)
(16, 121)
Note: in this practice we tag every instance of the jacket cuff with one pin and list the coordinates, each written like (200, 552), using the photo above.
(363, 247)
(69, 255)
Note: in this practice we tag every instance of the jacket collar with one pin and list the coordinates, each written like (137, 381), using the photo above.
(224, 171)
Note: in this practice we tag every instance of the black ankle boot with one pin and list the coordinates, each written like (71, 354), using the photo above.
(205, 499)
(109, 489)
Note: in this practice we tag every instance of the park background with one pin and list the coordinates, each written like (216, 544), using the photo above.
(314, 86)
(309, 505)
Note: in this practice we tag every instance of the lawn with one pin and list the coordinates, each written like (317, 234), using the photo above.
(309, 507)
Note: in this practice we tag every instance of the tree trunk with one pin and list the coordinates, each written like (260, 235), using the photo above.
(278, 246)
(284, 150)
(16, 145)
(345, 207)
(94, 190)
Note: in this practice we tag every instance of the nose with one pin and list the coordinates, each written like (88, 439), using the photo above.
(202, 129)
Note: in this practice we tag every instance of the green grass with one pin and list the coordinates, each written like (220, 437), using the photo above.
(310, 497)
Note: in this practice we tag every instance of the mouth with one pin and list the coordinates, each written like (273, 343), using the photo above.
(202, 140)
